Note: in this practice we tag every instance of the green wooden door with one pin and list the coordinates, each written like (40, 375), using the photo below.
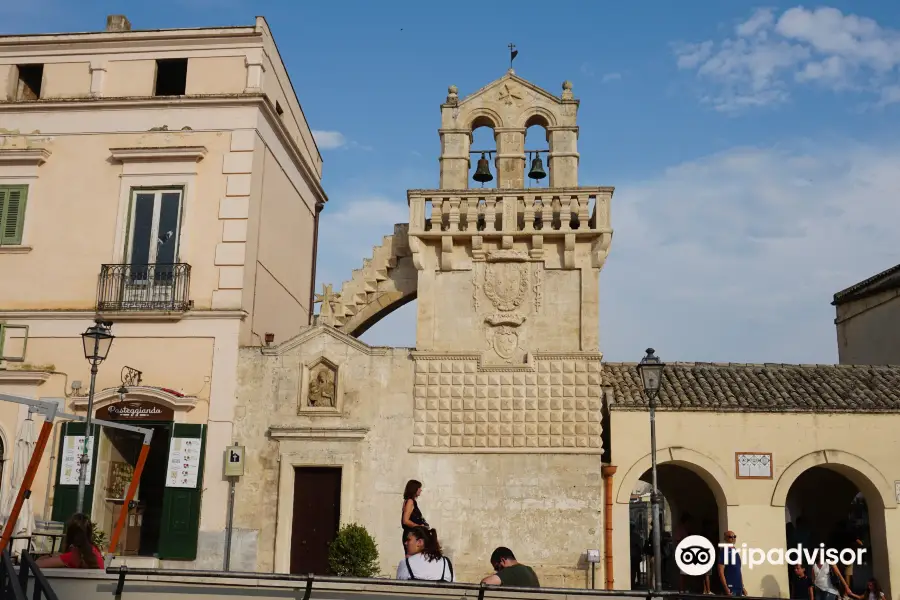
(65, 498)
(181, 505)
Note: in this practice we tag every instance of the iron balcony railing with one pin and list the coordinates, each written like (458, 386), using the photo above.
(156, 287)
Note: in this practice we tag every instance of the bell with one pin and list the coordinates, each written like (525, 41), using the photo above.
(483, 172)
(537, 169)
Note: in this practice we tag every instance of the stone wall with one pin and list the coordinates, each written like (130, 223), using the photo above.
(547, 506)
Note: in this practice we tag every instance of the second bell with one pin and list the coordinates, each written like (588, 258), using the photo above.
(483, 171)
(537, 169)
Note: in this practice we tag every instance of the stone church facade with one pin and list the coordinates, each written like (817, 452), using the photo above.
(522, 435)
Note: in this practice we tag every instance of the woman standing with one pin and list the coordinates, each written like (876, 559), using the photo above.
(424, 558)
(411, 516)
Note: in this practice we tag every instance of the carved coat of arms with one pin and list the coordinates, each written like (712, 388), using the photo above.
(505, 285)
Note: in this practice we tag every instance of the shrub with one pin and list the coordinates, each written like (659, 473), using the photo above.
(353, 553)
(99, 539)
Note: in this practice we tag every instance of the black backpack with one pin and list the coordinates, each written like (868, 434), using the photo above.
(447, 563)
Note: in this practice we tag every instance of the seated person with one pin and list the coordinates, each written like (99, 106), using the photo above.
(80, 552)
(424, 558)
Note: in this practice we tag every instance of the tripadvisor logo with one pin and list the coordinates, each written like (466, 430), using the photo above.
(695, 555)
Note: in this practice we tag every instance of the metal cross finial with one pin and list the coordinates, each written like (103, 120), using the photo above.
(512, 54)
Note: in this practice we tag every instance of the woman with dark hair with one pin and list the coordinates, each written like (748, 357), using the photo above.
(411, 516)
(424, 558)
(81, 553)
(872, 592)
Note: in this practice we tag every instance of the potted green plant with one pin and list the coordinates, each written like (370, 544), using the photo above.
(353, 553)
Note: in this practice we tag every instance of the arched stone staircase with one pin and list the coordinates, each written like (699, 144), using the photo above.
(386, 281)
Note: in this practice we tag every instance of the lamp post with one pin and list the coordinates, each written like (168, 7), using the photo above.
(97, 341)
(650, 370)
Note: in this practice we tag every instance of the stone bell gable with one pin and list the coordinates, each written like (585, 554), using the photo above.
(509, 106)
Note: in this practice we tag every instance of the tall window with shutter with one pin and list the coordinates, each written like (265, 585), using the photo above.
(12, 213)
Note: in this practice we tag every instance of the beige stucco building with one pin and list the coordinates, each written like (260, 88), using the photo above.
(868, 320)
(166, 181)
(522, 435)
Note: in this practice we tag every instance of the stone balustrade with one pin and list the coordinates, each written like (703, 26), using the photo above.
(509, 212)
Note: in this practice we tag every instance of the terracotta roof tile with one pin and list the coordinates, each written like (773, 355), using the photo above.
(733, 387)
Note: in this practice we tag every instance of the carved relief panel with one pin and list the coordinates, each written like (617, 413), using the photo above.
(508, 290)
(320, 388)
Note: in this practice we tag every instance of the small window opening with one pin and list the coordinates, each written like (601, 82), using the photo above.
(30, 78)
(171, 77)
(278, 109)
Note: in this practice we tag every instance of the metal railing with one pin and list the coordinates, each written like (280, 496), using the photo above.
(307, 583)
(14, 586)
(152, 287)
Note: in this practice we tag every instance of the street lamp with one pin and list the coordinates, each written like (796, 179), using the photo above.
(650, 370)
(97, 341)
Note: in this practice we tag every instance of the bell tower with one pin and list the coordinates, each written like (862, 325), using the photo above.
(507, 342)
(509, 106)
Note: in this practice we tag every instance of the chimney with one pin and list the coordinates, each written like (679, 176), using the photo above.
(118, 23)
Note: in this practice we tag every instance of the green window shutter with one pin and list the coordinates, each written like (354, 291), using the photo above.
(12, 214)
(180, 527)
(65, 498)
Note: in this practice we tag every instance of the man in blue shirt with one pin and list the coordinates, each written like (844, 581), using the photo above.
(730, 570)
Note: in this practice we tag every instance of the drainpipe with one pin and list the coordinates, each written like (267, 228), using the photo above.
(312, 285)
(607, 471)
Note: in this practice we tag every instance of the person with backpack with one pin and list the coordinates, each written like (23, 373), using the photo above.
(424, 561)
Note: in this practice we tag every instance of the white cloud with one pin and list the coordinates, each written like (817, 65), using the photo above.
(329, 140)
(823, 46)
(611, 77)
(736, 256)
(335, 140)
(730, 257)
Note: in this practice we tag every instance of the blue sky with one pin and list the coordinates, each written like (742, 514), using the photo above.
(753, 147)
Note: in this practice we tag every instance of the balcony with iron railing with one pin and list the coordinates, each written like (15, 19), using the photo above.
(144, 288)
(515, 212)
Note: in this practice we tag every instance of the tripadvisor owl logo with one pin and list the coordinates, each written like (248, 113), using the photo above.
(695, 555)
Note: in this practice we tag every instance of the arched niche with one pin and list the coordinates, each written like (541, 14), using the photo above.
(537, 138)
(321, 386)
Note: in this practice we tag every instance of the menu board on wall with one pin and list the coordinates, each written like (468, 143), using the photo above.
(73, 447)
(184, 462)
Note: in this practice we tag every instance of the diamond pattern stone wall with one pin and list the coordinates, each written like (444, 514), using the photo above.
(553, 405)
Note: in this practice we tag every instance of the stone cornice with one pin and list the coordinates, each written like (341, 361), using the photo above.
(317, 330)
(502, 450)
(159, 153)
(528, 367)
(27, 156)
(205, 101)
(106, 40)
(63, 314)
(322, 434)
(24, 377)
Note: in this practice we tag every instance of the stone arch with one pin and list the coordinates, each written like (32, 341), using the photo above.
(483, 117)
(380, 307)
(538, 115)
(862, 473)
(867, 479)
(706, 468)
